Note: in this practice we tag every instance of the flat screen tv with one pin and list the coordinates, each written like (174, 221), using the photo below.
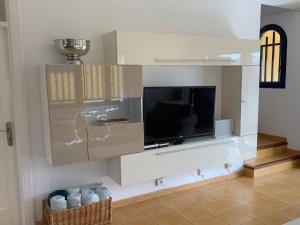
(172, 114)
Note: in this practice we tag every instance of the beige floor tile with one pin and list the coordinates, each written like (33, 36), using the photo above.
(209, 220)
(232, 200)
(175, 202)
(233, 217)
(128, 214)
(115, 221)
(211, 205)
(288, 197)
(290, 212)
(273, 219)
(144, 221)
(171, 218)
(192, 213)
(243, 192)
(192, 195)
(272, 188)
(253, 222)
(153, 207)
(253, 210)
(270, 203)
(292, 180)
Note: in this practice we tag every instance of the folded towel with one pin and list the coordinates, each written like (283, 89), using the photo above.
(71, 190)
(89, 198)
(74, 200)
(94, 186)
(85, 189)
(103, 193)
(58, 203)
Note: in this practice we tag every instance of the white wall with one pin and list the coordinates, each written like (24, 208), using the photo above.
(280, 108)
(46, 20)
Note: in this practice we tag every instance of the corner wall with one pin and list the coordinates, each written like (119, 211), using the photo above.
(279, 109)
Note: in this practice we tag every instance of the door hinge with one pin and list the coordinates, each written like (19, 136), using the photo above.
(9, 133)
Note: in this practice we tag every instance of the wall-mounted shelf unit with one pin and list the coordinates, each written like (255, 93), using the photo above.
(91, 112)
(138, 48)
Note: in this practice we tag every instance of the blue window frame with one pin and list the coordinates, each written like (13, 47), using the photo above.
(273, 48)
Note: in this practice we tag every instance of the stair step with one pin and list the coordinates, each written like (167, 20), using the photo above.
(276, 163)
(269, 141)
(283, 157)
(272, 151)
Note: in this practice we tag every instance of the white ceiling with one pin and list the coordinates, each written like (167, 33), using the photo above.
(290, 4)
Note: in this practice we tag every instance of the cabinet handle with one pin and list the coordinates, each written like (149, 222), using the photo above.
(191, 148)
(194, 60)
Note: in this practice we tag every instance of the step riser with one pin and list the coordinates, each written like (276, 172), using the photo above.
(272, 169)
(263, 153)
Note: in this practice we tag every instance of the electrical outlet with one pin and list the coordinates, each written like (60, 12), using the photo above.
(228, 165)
(160, 181)
(200, 173)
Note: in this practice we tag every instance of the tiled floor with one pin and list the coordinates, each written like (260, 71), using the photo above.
(268, 200)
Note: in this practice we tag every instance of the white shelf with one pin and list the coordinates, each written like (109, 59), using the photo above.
(3, 24)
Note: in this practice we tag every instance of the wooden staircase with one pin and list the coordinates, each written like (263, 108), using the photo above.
(272, 156)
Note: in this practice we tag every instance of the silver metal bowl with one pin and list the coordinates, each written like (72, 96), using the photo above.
(73, 49)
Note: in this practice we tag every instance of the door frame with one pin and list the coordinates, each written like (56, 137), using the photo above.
(20, 111)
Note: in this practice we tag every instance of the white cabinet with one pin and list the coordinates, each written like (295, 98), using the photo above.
(240, 98)
(192, 155)
(138, 48)
(249, 100)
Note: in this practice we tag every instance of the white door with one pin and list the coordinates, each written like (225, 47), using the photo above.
(9, 211)
(249, 100)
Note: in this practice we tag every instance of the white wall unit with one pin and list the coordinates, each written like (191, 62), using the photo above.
(138, 48)
(249, 100)
(240, 94)
(196, 154)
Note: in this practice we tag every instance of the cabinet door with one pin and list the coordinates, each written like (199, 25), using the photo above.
(115, 140)
(65, 103)
(249, 100)
(139, 48)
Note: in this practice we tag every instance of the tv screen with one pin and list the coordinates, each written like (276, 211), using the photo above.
(176, 113)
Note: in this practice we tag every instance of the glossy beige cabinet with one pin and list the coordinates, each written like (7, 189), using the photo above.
(91, 112)
(112, 140)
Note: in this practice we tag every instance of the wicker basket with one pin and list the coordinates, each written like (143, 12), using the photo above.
(94, 214)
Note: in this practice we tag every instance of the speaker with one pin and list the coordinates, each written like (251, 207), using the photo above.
(223, 128)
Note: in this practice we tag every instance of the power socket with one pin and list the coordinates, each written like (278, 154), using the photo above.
(160, 181)
(228, 166)
(200, 173)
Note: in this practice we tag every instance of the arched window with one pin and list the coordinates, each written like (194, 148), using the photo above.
(273, 48)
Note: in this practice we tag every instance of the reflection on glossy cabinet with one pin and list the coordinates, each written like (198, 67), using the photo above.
(83, 100)
(132, 48)
(67, 137)
(109, 82)
(115, 140)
